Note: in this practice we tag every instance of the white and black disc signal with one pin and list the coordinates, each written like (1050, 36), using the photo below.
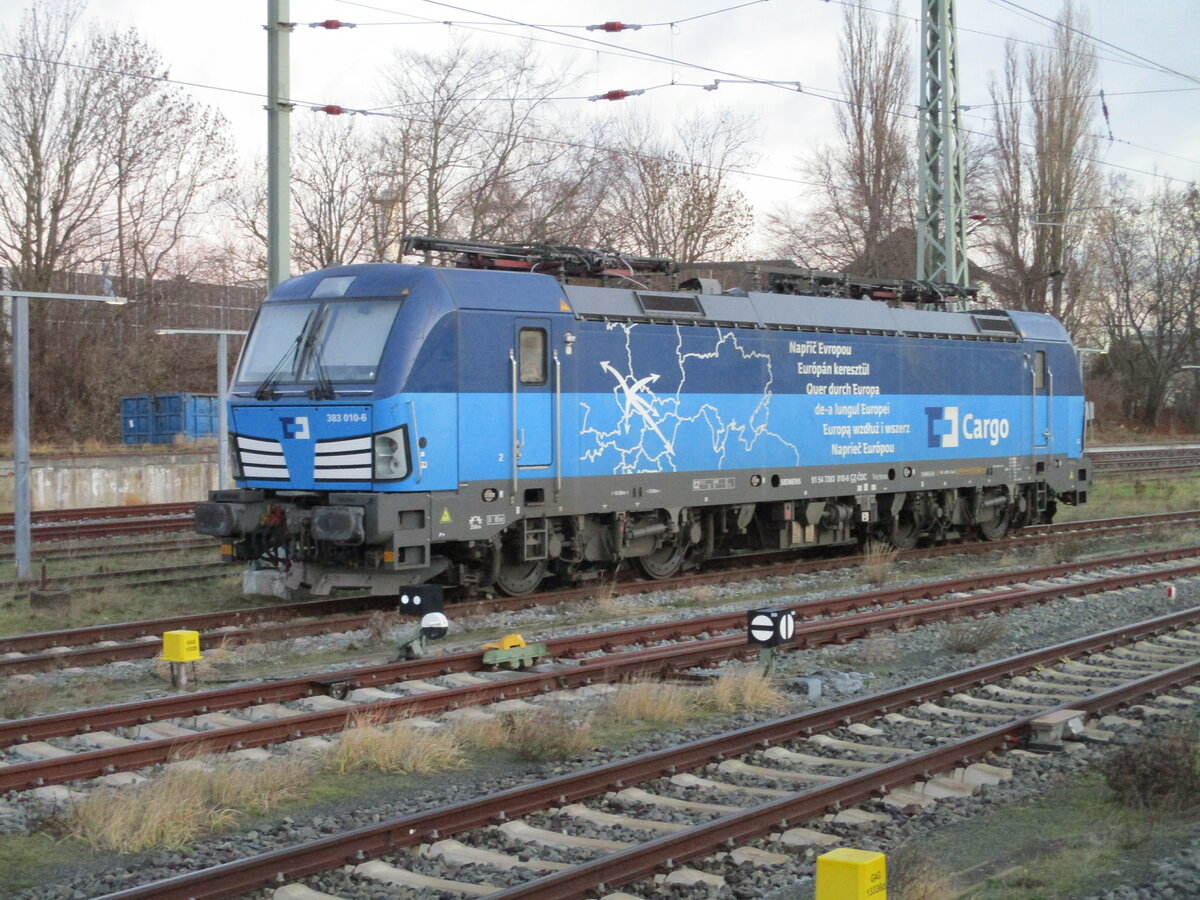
(770, 627)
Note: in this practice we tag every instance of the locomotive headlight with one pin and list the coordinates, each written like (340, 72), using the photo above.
(391, 460)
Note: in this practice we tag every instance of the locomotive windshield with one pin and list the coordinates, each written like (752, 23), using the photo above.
(312, 342)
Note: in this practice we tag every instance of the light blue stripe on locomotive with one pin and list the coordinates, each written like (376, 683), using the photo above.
(604, 434)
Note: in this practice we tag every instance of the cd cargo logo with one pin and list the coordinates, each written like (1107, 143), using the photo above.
(946, 428)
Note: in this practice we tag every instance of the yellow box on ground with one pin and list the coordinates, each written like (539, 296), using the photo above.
(847, 874)
(181, 646)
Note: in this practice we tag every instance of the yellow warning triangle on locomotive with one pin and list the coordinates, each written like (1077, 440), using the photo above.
(445, 519)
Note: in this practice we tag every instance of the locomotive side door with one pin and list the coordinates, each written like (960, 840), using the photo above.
(532, 394)
(1041, 398)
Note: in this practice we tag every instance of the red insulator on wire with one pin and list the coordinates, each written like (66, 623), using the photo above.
(616, 95)
(613, 27)
(332, 24)
(331, 109)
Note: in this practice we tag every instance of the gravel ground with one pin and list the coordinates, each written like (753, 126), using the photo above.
(870, 665)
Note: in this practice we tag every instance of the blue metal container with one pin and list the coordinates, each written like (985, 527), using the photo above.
(168, 418)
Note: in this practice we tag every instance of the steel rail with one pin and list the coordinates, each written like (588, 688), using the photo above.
(142, 510)
(179, 706)
(657, 661)
(702, 840)
(184, 705)
(277, 867)
(33, 642)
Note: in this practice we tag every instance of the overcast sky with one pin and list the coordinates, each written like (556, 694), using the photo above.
(221, 43)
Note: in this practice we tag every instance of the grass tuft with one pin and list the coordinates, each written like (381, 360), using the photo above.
(548, 735)
(183, 804)
(878, 561)
(744, 689)
(370, 744)
(650, 702)
(971, 637)
(22, 698)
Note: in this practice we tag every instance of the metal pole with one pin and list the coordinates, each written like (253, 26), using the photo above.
(22, 499)
(222, 412)
(279, 29)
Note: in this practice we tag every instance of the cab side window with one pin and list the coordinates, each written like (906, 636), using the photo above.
(532, 356)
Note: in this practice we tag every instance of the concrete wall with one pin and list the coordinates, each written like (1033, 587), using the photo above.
(120, 479)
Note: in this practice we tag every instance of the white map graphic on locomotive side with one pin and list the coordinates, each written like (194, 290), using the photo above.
(645, 432)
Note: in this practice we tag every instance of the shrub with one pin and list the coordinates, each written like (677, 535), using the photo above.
(971, 637)
(1159, 772)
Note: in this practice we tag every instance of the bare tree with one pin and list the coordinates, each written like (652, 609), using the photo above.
(866, 181)
(53, 181)
(675, 197)
(168, 159)
(1042, 184)
(1149, 283)
(332, 195)
(463, 154)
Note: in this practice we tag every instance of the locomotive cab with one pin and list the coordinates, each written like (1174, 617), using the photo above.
(342, 420)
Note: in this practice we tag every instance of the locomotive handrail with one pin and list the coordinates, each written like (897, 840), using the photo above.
(558, 460)
(516, 447)
(416, 438)
(1049, 410)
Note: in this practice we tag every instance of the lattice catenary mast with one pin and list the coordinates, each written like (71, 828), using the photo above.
(941, 227)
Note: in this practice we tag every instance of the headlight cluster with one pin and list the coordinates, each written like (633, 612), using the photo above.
(391, 459)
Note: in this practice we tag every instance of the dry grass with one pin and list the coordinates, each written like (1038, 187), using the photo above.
(182, 805)
(650, 701)
(370, 744)
(703, 595)
(973, 636)
(380, 627)
(875, 650)
(878, 561)
(547, 735)
(483, 733)
(915, 874)
(607, 604)
(22, 698)
(744, 689)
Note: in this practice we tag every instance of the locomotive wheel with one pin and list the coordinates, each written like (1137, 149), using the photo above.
(663, 562)
(904, 530)
(996, 527)
(516, 579)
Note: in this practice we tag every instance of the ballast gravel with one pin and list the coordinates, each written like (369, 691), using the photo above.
(875, 664)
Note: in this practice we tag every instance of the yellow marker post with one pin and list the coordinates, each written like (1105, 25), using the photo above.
(179, 649)
(847, 874)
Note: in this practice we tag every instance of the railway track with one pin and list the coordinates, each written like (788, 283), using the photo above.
(103, 521)
(99, 645)
(1134, 460)
(700, 812)
(162, 729)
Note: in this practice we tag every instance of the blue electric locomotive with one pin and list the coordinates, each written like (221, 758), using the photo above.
(394, 424)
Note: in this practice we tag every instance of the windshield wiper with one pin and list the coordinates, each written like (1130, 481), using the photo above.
(323, 390)
(266, 390)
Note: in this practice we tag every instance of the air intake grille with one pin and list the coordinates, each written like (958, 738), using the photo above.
(346, 459)
(261, 460)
